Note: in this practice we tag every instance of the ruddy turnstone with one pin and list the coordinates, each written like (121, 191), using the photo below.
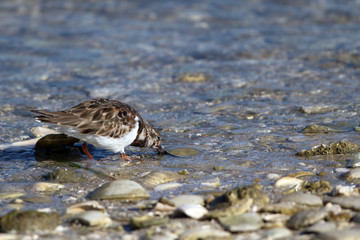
(104, 123)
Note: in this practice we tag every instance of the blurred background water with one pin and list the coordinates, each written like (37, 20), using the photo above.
(258, 62)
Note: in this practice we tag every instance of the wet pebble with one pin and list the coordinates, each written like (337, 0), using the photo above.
(194, 211)
(347, 202)
(91, 218)
(187, 199)
(29, 221)
(306, 218)
(348, 234)
(120, 190)
(242, 222)
(167, 186)
(156, 178)
(354, 161)
(277, 233)
(46, 186)
(147, 221)
(205, 232)
(303, 198)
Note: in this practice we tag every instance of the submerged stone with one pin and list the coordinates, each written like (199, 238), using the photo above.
(333, 148)
(28, 221)
(119, 190)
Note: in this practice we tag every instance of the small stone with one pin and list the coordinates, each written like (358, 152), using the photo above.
(353, 175)
(156, 178)
(277, 233)
(346, 191)
(347, 234)
(303, 198)
(147, 221)
(354, 162)
(46, 186)
(306, 218)
(183, 152)
(205, 232)
(347, 202)
(92, 218)
(28, 221)
(316, 109)
(242, 223)
(194, 211)
(119, 190)
(187, 199)
(167, 186)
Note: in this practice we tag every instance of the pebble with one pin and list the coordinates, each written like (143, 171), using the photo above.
(156, 178)
(92, 218)
(121, 190)
(303, 198)
(46, 186)
(306, 218)
(167, 186)
(205, 232)
(277, 233)
(194, 211)
(354, 161)
(242, 222)
(348, 234)
(347, 202)
(187, 199)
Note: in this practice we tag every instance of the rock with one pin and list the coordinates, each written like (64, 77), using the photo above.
(347, 234)
(318, 129)
(183, 152)
(347, 202)
(119, 190)
(85, 206)
(46, 186)
(29, 221)
(231, 197)
(239, 207)
(65, 175)
(287, 183)
(316, 109)
(354, 161)
(319, 187)
(167, 186)
(346, 191)
(242, 223)
(205, 232)
(91, 218)
(156, 178)
(303, 198)
(147, 221)
(187, 199)
(306, 218)
(353, 176)
(333, 148)
(194, 211)
(193, 77)
(277, 233)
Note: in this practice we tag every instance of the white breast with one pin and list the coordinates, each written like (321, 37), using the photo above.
(112, 144)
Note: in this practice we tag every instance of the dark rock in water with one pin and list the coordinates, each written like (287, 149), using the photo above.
(233, 196)
(57, 147)
(333, 148)
(318, 129)
(28, 221)
(62, 175)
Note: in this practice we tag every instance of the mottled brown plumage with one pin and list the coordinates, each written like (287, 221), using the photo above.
(107, 118)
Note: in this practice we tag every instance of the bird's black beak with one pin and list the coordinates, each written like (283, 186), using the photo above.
(160, 150)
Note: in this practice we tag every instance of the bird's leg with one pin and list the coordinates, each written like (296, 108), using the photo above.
(86, 151)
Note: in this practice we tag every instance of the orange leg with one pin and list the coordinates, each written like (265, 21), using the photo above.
(86, 151)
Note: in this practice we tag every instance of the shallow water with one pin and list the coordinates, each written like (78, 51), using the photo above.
(262, 61)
